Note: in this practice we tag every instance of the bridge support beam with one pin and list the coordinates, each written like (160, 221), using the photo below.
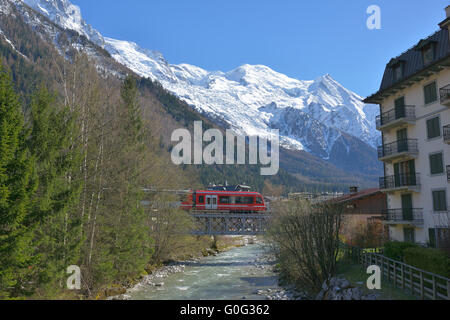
(222, 224)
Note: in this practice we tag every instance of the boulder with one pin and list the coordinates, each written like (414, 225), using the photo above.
(341, 289)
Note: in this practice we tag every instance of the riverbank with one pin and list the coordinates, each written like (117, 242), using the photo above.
(244, 272)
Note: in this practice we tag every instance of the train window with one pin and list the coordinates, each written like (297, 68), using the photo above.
(259, 200)
(214, 201)
(244, 200)
(201, 199)
(225, 200)
(208, 200)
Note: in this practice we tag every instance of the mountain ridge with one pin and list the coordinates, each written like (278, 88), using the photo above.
(237, 97)
(295, 122)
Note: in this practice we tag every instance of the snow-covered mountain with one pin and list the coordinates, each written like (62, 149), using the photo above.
(252, 99)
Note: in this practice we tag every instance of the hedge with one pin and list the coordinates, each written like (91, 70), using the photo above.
(395, 249)
(428, 259)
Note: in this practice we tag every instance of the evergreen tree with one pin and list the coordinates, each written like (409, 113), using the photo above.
(17, 186)
(57, 226)
(132, 243)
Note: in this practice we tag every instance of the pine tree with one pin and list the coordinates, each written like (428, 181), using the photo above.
(132, 239)
(17, 186)
(57, 226)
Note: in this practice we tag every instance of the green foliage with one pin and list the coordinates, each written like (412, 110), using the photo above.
(428, 259)
(395, 249)
(17, 185)
(57, 227)
(119, 244)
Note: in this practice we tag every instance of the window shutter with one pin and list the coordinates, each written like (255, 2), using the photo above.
(429, 129)
(400, 102)
(430, 93)
(433, 128)
(439, 201)
(436, 163)
(432, 236)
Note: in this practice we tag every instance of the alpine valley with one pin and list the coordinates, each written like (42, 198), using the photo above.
(327, 133)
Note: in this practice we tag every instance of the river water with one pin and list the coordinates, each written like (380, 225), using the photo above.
(241, 273)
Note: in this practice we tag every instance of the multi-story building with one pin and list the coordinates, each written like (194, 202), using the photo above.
(414, 100)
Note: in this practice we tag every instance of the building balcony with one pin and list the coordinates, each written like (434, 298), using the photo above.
(410, 216)
(441, 219)
(402, 149)
(396, 117)
(401, 182)
(446, 134)
(445, 95)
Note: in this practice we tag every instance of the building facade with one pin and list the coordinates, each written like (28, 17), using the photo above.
(414, 100)
(363, 213)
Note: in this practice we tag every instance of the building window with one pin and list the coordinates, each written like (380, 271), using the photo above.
(428, 54)
(439, 201)
(433, 128)
(436, 163)
(408, 235)
(398, 72)
(430, 92)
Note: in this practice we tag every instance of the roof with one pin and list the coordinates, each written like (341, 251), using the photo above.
(413, 62)
(238, 187)
(223, 192)
(357, 196)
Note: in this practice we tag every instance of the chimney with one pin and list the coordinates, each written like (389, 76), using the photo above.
(354, 189)
(446, 23)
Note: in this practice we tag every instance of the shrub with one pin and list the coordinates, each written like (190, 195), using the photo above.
(305, 240)
(428, 259)
(395, 250)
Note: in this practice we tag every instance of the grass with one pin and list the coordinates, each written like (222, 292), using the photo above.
(357, 277)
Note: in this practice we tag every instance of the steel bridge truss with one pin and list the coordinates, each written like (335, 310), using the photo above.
(226, 224)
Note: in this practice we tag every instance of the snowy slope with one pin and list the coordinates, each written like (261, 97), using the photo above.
(252, 99)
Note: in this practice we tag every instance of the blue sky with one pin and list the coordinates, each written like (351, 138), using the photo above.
(302, 39)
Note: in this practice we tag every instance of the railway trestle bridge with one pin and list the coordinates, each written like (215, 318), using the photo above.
(230, 224)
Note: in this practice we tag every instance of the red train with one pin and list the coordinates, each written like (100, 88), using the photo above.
(218, 199)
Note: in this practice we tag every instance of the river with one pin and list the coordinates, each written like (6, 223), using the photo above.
(241, 273)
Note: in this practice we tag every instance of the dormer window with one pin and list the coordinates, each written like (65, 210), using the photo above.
(428, 50)
(397, 66)
(428, 54)
(398, 72)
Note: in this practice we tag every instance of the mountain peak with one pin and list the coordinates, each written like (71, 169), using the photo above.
(238, 97)
(66, 15)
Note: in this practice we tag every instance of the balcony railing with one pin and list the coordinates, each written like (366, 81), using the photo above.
(398, 147)
(400, 181)
(406, 215)
(406, 113)
(446, 132)
(441, 219)
(445, 95)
